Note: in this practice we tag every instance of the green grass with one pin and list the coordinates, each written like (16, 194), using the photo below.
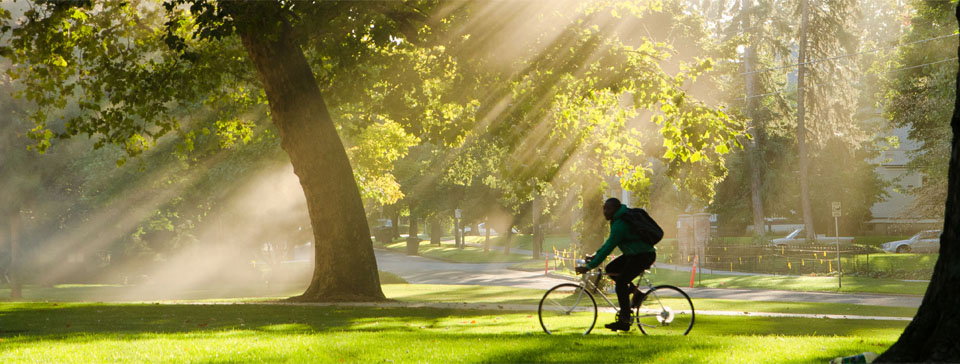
(85, 333)
(447, 251)
(428, 293)
(794, 283)
(893, 263)
(851, 283)
(527, 296)
(525, 241)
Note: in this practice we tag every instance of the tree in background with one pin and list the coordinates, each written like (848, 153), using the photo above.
(918, 97)
(130, 93)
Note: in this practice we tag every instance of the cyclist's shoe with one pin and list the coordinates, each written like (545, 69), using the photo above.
(619, 326)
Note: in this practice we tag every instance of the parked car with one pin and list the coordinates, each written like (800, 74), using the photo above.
(798, 236)
(924, 241)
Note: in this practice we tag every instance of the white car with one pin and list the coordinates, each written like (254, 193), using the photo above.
(924, 241)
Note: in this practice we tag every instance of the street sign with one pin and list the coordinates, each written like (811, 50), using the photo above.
(456, 212)
(835, 208)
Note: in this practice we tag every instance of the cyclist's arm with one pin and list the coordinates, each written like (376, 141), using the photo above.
(616, 233)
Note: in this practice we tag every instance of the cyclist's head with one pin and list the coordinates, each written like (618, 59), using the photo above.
(610, 207)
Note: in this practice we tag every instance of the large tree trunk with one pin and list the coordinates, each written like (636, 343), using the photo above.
(345, 266)
(802, 130)
(753, 148)
(932, 335)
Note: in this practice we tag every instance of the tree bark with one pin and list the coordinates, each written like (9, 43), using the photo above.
(16, 286)
(756, 164)
(802, 130)
(435, 231)
(345, 267)
(932, 335)
(395, 221)
(508, 240)
(413, 235)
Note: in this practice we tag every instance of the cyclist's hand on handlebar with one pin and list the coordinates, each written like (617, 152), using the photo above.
(582, 270)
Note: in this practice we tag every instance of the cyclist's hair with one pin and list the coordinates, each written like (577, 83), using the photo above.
(613, 201)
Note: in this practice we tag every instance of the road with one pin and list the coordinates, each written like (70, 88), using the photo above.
(416, 269)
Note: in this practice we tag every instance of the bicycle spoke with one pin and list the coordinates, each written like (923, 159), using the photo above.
(567, 309)
(665, 310)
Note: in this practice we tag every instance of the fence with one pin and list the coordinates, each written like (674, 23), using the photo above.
(758, 258)
(768, 259)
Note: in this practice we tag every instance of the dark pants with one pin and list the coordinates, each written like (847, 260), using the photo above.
(623, 270)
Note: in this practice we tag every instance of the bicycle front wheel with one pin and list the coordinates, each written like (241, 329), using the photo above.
(567, 309)
(665, 310)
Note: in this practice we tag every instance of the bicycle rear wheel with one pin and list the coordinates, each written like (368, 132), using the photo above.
(567, 309)
(665, 310)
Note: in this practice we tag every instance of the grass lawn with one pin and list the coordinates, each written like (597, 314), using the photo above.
(447, 251)
(851, 284)
(182, 333)
(793, 283)
(893, 262)
(525, 241)
(420, 293)
(527, 296)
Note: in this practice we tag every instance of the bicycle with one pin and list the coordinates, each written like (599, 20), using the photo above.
(569, 308)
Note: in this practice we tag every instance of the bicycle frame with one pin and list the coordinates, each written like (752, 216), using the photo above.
(595, 287)
(650, 307)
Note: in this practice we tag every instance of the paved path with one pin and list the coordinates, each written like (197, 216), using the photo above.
(415, 269)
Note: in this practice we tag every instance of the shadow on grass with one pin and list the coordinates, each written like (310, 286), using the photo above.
(457, 335)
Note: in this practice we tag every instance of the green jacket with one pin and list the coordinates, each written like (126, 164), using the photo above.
(621, 236)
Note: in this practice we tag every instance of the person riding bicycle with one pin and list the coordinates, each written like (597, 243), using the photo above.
(637, 257)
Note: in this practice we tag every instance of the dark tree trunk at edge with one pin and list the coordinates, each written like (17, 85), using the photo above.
(345, 267)
(932, 335)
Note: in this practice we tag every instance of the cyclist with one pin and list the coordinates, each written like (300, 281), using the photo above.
(637, 257)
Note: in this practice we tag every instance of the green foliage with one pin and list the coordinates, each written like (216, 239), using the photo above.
(921, 97)
(109, 64)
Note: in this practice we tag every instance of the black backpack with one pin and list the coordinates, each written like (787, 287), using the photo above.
(643, 225)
